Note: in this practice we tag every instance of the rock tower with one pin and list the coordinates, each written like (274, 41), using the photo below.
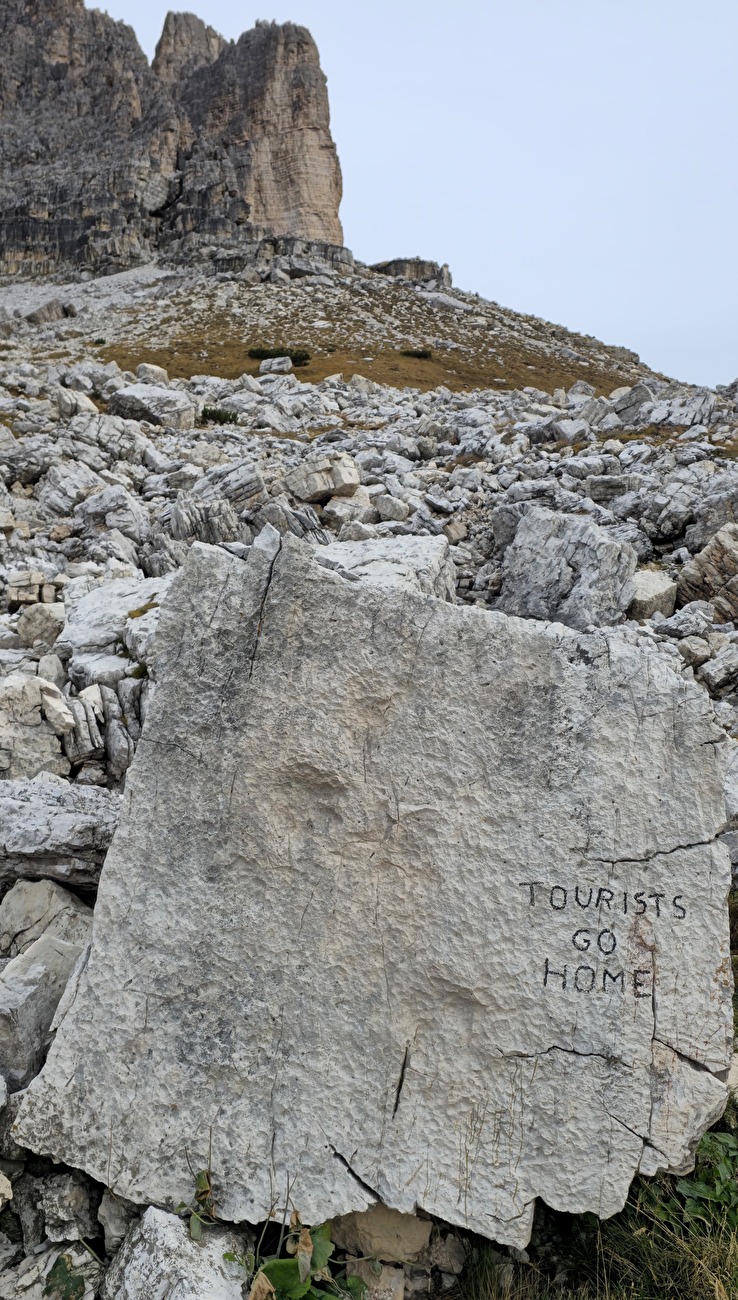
(105, 160)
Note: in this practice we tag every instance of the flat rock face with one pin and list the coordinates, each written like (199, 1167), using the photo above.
(409, 902)
(216, 140)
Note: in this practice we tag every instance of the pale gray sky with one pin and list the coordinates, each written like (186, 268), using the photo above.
(575, 159)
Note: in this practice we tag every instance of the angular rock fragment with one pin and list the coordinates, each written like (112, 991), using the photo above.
(463, 867)
(653, 593)
(164, 406)
(321, 477)
(55, 831)
(713, 574)
(566, 569)
(158, 1258)
(420, 564)
(30, 988)
(29, 740)
(33, 908)
(69, 1203)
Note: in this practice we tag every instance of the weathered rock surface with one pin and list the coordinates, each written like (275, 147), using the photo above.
(159, 1259)
(157, 405)
(31, 986)
(104, 159)
(33, 908)
(713, 574)
(479, 892)
(55, 831)
(29, 735)
(567, 570)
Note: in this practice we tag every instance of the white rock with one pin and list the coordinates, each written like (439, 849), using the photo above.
(55, 708)
(275, 366)
(55, 830)
(390, 507)
(654, 593)
(31, 1280)
(32, 908)
(158, 405)
(41, 622)
(158, 1259)
(29, 743)
(397, 911)
(150, 374)
(324, 476)
(420, 564)
(566, 569)
(30, 988)
(100, 619)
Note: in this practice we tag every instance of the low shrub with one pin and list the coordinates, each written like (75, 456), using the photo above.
(215, 415)
(298, 356)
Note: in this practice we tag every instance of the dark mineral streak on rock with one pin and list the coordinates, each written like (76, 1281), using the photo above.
(105, 160)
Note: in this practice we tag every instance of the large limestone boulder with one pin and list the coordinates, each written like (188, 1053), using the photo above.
(410, 903)
(565, 568)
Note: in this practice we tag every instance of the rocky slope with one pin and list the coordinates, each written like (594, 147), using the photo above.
(104, 160)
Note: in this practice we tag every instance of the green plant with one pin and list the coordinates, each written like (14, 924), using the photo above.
(201, 1209)
(298, 356)
(303, 1272)
(217, 416)
(68, 1281)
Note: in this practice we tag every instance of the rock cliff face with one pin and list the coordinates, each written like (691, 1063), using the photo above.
(104, 160)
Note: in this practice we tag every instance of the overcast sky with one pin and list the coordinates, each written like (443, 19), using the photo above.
(575, 159)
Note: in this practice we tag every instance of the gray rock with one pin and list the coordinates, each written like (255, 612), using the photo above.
(30, 988)
(420, 564)
(33, 908)
(721, 673)
(713, 574)
(566, 569)
(55, 831)
(158, 1258)
(29, 1279)
(41, 622)
(275, 365)
(322, 477)
(29, 740)
(115, 1216)
(539, 807)
(654, 592)
(158, 405)
(69, 1203)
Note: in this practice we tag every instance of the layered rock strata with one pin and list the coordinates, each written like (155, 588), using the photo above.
(104, 159)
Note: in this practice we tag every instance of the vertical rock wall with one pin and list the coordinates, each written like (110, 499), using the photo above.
(104, 160)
